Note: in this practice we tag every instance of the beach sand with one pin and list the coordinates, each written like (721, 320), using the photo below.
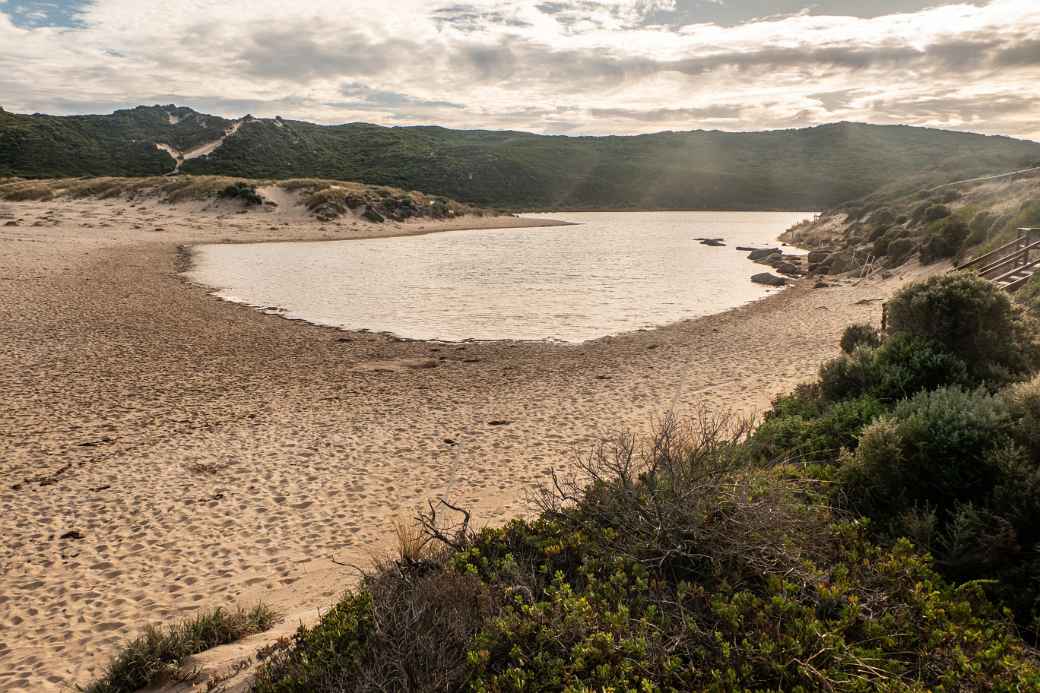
(162, 450)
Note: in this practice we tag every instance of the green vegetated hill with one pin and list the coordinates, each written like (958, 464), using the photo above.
(790, 169)
(890, 227)
(123, 143)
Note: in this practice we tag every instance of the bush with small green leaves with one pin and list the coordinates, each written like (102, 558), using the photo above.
(935, 213)
(859, 335)
(818, 439)
(1023, 400)
(969, 318)
(675, 567)
(980, 228)
(242, 191)
(1029, 296)
(899, 250)
(932, 452)
(883, 217)
(946, 242)
(901, 367)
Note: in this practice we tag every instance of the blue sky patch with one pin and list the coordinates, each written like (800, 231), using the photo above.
(31, 14)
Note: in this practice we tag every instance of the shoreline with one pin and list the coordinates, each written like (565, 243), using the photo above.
(203, 454)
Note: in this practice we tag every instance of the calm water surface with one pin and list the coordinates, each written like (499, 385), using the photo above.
(613, 272)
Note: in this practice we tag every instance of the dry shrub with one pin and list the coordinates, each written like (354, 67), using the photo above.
(688, 503)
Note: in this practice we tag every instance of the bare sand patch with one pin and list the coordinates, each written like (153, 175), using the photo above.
(163, 450)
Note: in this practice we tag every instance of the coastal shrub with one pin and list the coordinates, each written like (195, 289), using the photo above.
(883, 217)
(160, 651)
(878, 232)
(408, 629)
(1029, 296)
(932, 452)
(1023, 401)
(969, 318)
(859, 335)
(242, 191)
(980, 228)
(901, 367)
(958, 472)
(883, 241)
(899, 251)
(935, 213)
(946, 242)
(674, 567)
(815, 438)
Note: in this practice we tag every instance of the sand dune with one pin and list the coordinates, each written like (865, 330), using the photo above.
(162, 450)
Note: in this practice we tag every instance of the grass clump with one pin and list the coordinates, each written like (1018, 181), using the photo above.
(159, 652)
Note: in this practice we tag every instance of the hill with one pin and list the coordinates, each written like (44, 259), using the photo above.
(811, 168)
(888, 228)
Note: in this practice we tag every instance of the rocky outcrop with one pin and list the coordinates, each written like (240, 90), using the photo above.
(763, 253)
(769, 279)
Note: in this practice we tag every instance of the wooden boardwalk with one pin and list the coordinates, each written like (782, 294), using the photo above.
(1011, 265)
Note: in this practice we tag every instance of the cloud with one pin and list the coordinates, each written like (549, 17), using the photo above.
(575, 66)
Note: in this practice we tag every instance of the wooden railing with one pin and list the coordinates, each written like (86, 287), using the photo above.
(1012, 264)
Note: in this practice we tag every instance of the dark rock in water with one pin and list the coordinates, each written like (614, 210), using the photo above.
(714, 242)
(763, 253)
(745, 249)
(11, 223)
(499, 422)
(788, 268)
(769, 279)
(73, 534)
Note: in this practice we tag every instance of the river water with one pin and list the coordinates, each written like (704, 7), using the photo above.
(610, 272)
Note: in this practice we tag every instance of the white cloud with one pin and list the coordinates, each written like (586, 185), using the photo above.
(550, 65)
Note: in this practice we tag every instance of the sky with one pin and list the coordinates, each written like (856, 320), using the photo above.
(570, 67)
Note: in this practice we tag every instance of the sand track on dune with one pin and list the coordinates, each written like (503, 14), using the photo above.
(162, 450)
(180, 156)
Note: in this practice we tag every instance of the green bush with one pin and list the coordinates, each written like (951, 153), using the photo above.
(932, 453)
(160, 651)
(945, 243)
(970, 318)
(935, 212)
(1029, 296)
(899, 250)
(674, 568)
(859, 335)
(980, 228)
(242, 191)
(1023, 401)
(818, 438)
(901, 367)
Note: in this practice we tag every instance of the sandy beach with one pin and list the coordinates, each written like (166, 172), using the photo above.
(162, 450)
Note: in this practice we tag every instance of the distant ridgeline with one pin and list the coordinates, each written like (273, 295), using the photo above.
(814, 168)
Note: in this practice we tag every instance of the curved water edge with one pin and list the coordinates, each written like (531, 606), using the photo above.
(606, 274)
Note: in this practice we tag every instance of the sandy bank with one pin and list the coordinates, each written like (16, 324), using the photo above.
(162, 450)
